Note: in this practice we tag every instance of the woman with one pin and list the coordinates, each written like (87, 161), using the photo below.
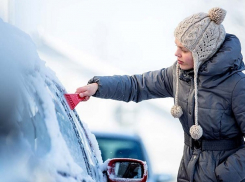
(209, 90)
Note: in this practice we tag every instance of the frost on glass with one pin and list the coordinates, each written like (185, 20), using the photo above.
(41, 139)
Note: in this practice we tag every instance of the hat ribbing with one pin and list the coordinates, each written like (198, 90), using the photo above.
(202, 34)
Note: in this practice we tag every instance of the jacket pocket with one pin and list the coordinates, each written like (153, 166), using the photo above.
(226, 173)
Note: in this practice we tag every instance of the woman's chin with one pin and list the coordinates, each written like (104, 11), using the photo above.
(185, 67)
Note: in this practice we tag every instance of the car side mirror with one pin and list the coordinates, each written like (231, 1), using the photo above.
(121, 169)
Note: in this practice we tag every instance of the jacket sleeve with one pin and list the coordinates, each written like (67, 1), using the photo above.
(153, 84)
(234, 167)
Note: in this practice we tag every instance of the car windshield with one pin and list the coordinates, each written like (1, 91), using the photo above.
(74, 133)
(119, 148)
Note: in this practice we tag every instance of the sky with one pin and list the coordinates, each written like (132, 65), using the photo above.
(117, 37)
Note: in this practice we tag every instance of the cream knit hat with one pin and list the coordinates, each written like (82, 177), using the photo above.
(202, 34)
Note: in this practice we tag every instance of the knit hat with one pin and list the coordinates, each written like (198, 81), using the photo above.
(202, 34)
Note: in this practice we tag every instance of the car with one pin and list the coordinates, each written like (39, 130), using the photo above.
(127, 145)
(41, 138)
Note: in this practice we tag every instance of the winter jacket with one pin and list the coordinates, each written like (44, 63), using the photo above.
(221, 108)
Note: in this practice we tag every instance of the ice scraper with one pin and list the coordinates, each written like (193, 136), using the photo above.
(73, 100)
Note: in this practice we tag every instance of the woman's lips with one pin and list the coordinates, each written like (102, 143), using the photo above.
(180, 62)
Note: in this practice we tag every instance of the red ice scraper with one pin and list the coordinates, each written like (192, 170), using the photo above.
(73, 100)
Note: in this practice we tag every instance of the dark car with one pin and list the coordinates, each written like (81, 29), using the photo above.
(126, 145)
(41, 138)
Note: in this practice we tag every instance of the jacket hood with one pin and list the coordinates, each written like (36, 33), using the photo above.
(226, 61)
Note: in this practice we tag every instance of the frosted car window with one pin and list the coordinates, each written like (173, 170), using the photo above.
(68, 129)
(30, 123)
(74, 133)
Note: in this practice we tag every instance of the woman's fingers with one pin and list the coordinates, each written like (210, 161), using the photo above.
(84, 94)
(81, 89)
(86, 98)
(87, 90)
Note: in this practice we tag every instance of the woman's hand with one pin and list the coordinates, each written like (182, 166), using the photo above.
(87, 91)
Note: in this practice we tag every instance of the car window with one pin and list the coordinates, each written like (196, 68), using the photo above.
(74, 134)
(119, 148)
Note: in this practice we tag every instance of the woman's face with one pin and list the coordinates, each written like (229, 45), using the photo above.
(184, 56)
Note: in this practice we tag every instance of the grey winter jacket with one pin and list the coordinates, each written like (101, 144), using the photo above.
(221, 109)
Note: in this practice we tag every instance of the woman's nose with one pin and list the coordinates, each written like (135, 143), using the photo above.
(177, 53)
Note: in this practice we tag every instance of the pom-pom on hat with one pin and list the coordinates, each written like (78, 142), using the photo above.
(202, 34)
